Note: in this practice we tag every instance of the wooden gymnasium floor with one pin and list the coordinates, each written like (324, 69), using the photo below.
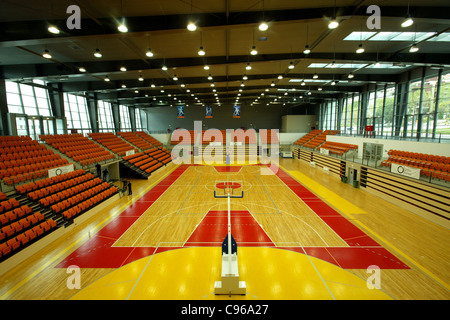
(301, 234)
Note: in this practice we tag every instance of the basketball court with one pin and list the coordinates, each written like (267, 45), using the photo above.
(165, 242)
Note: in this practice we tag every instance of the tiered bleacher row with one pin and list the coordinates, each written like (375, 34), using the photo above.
(112, 142)
(32, 209)
(23, 159)
(433, 166)
(78, 147)
(316, 140)
(59, 197)
(150, 160)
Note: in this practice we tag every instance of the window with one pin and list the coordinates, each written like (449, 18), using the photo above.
(412, 111)
(27, 99)
(105, 119)
(76, 111)
(388, 111)
(125, 124)
(137, 113)
(443, 111)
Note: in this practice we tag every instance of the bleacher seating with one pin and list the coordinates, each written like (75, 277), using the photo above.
(320, 139)
(136, 140)
(148, 138)
(78, 147)
(433, 166)
(337, 147)
(150, 160)
(307, 137)
(19, 226)
(23, 159)
(112, 142)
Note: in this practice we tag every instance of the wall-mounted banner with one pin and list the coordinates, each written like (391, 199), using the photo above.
(208, 112)
(60, 170)
(180, 112)
(236, 111)
(405, 171)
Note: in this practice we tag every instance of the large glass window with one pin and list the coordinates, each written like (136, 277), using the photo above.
(77, 113)
(125, 124)
(27, 99)
(106, 123)
(137, 113)
(388, 111)
(443, 111)
(412, 111)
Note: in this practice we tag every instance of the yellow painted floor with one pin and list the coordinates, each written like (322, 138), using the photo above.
(190, 273)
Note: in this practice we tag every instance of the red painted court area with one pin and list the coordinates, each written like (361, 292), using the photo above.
(362, 250)
(214, 227)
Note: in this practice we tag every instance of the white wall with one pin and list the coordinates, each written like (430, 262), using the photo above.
(440, 149)
(298, 123)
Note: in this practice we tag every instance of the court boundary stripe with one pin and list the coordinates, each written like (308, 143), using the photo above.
(65, 250)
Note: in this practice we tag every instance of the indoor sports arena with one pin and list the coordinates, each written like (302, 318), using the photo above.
(240, 151)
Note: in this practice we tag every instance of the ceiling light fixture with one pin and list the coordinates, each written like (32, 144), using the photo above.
(107, 79)
(360, 48)
(315, 76)
(53, 29)
(97, 53)
(414, 48)
(244, 77)
(248, 66)
(141, 78)
(253, 51)
(82, 69)
(210, 77)
(201, 52)
(149, 53)
(164, 68)
(408, 20)
(291, 65)
(263, 26)
(191, 26)
(280, 77)
(123, 68)
(333, 24)
(307, 50)
(122, 28)
(206, 67)
(350, 75)
(175, 78)
(47, 54)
